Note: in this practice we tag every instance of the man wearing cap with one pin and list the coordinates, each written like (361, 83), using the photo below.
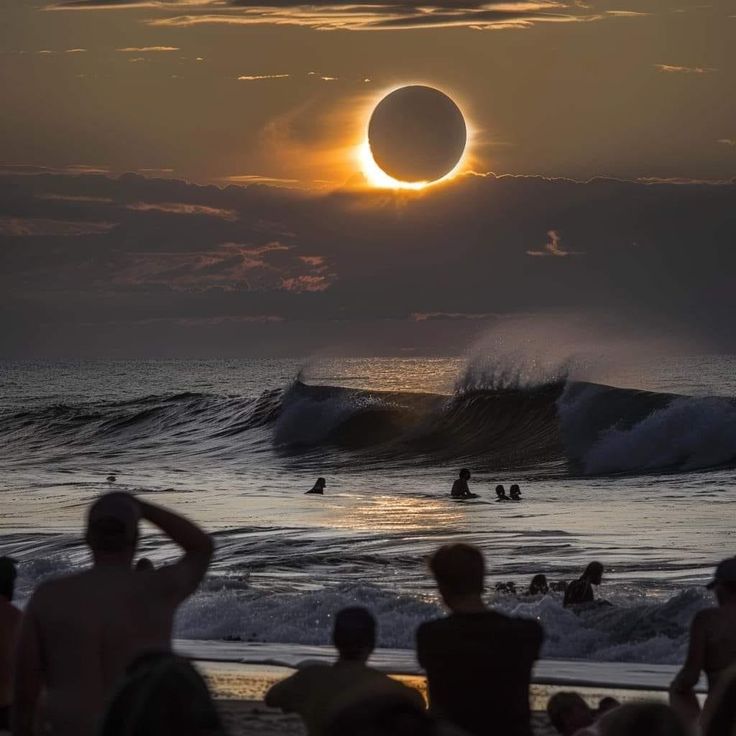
(712, 643)
(81, 631)
(9, 625)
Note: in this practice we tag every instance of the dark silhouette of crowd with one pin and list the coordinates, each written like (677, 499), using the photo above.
(91, 654)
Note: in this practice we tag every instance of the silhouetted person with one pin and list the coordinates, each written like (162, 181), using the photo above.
(712, 646)
(478, 662)
(144, 565)
(569, 713)
(581, 590)
(162, 695)
(319, 692)
(515, 492)
(539, 585)
(10, 618)
(318, 487)
(384, 716)
(719, 718)
(501, 494)
(642, 719)
(460, 486)
(80, 632)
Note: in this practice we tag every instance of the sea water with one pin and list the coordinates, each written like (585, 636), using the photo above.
(635, 471)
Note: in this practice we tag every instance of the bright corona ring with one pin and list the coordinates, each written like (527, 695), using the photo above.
(416, 137)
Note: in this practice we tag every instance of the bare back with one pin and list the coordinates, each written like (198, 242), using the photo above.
(719, 629)
(89, 627)
(9, 624)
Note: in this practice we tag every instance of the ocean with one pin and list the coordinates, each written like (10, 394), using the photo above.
(635, 470)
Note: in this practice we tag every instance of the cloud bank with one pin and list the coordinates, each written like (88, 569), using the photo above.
(96, 265)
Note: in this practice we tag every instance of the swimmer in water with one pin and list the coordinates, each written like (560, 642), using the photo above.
(318, 487)
(501, 494)
(460, 486)
(515, 492)
(539, 585)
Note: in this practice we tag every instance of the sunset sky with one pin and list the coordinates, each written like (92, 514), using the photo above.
(184, 177)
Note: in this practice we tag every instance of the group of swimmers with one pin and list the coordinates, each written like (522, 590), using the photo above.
(91, 653)
(460, 489)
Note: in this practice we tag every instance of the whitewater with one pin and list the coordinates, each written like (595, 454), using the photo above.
(635, 470)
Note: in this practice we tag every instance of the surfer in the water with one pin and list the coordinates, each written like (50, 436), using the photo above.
(501, 494)
(460, 486)
(318, 487)
(580, 591)
(515, 492)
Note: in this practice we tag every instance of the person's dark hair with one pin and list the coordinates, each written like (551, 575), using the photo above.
(144, 565)
(465, 473)
(594, 570)
(162, 695)
(458, 569)
(112, 525)
(539, 584)
(561, 705)
(321, 482)
(515, 487)
(500, 489)
(354, 633)
(8, 574)
(387, 715)
(606, 704)
(642, 719)
(722, 719)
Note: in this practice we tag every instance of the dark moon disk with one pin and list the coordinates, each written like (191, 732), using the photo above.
(417, 133)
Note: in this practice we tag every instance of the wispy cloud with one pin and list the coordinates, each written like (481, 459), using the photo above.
(183, 208)
(727, 141)
(273, 181)
(147, 49)
(360, 15)
(553, 248)
(75, 51)
(442, 316)
(74, 198)
(674, 69)
(22, 227)
(261, 77)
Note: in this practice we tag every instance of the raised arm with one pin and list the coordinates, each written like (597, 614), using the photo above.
(682, 689)
(186, 574)
(28, 675)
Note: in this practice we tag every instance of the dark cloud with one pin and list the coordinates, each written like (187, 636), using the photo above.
(358, 15)
(80, 259)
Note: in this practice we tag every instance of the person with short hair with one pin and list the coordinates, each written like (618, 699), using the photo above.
(501, 494)
(569, 713)
(460, 486)
(319, 693)
(80, 632)
(318, 488)
(580, 591)
(478, 661)
(642, 719)
(539, 585)
(712, 647)
(10, 618)
(162, 695)
(515, 492)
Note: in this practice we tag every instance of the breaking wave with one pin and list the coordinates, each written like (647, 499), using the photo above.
(559, 426)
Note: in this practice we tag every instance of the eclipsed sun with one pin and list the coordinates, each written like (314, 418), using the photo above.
(417, 136)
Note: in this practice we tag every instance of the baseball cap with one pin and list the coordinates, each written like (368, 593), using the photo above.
(725, 573)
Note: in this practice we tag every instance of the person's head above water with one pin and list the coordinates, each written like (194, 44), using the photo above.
(515, 490)
(724, 581)
(594, 573)
(320, 483)
(354, 634)
(112, 528)
(465, 474)
(500, 491)
(539, 585)
(8, 573)
(459, 570)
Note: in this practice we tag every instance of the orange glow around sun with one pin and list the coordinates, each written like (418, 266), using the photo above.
(377, 178)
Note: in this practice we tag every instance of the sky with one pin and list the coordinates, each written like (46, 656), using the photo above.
(185, 178)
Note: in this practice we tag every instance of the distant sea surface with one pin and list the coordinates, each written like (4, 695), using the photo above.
(636, 471)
